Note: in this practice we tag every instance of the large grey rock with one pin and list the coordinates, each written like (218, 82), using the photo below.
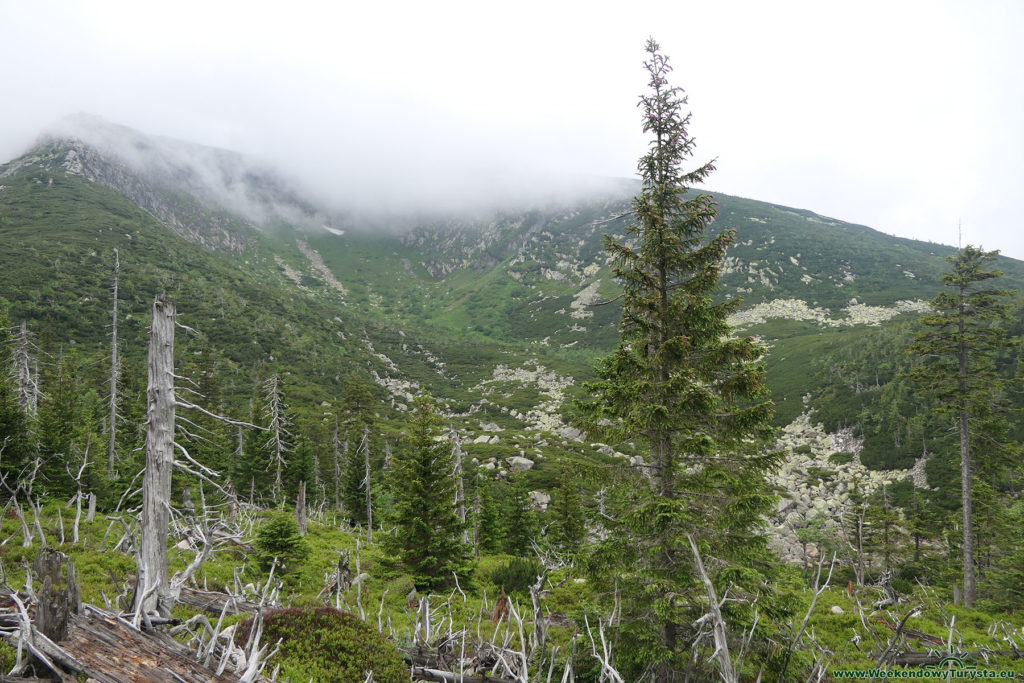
(519, 464)
(784, 505)
(570, 433)
(540, 500)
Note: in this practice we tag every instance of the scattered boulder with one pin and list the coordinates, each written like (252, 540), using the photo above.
(571, 433)
(519, 464)
(540, 500)
(784, 505)
(836, 609)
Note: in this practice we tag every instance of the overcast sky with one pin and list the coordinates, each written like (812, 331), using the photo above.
(904, 115)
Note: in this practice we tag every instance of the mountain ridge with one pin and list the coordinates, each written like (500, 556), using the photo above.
(498, 315)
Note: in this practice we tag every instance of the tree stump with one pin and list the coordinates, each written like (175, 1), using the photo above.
(59, 599)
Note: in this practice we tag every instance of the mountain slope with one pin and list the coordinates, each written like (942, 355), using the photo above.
(500, 315)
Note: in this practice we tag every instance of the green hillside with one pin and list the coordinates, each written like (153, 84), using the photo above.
(322, 326)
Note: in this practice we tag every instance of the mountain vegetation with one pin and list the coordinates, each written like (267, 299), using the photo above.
(671, 435)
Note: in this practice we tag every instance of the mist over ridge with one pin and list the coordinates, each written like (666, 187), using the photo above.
(268, 192)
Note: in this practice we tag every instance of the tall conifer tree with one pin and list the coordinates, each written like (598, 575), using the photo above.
(690, 393)
(428, 539)
(958, 350)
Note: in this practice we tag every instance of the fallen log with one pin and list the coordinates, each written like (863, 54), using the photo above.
(106, 649)
(110, 650)
(213, 601)
(911, 633)
(420, 673)
(928, 658)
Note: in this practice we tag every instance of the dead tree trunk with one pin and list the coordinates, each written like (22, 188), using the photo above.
(186, 502)
(59, 597)
(278, 428)
(366, 484)
(114, 376)
(152, 586)
(28, 386)
(460, 491)
(726, 669)
(300, 508)
(336, 447)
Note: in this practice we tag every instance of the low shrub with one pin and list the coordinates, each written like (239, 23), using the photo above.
(326, 645)
(841, 458)
(516, 575)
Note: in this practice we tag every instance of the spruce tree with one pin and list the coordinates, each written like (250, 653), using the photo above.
(355, 420)
(957, 351)
(428, 539)
(490, 536)
(568, 526)
(62, 427)
(690, 393)
(521, 522)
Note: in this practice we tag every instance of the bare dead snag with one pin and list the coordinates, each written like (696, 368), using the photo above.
(725, 665)
(151, 591)
(300, 508)
(278, 428)
(460, 493)
(819, 588)
(114, 377)
(336, 452)
(186, 502)
(366, 485)
(27, 380)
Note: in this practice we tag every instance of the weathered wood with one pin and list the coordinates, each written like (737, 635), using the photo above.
(460, 492)
(110, 651)
(923, 658)
(156, 484)
(912, 633)
(186, 502)
(59, 599)
(366, 484)
(300, 508)
(91, 515)
(725, 665)
(115, 369)
(420, 673)
(213, 601)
